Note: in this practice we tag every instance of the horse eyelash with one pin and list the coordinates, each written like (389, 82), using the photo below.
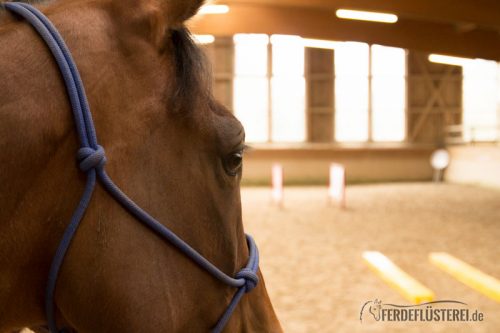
(246, 148)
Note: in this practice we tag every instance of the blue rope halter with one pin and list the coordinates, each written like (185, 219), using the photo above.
(92, 159)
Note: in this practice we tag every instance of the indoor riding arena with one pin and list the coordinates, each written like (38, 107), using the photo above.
(372, 179)
(369, 169)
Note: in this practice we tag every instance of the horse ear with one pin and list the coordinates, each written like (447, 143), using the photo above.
(170, 13)
(179, 11)
(154, 17)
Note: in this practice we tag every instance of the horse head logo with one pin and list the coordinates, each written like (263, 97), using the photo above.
(374, 308)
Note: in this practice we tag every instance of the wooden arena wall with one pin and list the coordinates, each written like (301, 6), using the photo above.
(311, 165)
(479, 165)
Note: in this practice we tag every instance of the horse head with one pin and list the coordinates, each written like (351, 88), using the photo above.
(169, 146)
(375, 308)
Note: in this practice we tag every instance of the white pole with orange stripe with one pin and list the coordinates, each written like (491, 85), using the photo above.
(277, 184)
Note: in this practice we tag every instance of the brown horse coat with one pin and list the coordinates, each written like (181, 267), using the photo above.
(169, 146)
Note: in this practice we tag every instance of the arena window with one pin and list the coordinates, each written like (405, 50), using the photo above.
(481, 101)
(270, 90)
(351, 91)
(388, 86)
(288, 89)
(251, 85)
(370, 93)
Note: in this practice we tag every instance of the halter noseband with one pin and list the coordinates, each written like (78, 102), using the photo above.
(91, 158)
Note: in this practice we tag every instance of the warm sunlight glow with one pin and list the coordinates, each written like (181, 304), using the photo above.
(288, 56)
(481, 96)
(251, 54)
(388, 93)
(204, 39)
(288, 89)
(251, 85)
(353, 84)
(366, 16)
(214, 9)
(351, 92)
(270, 104)
(270, 89)
(449, 60)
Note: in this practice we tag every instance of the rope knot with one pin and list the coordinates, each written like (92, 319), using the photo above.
(250, 277)
(90, 158)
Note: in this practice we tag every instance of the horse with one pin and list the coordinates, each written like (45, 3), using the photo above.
(169, 145)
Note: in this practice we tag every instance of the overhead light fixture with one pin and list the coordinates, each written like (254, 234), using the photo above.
(449, 60)
(214, 9)
(204, 39)
(319, 44)
(366, 16)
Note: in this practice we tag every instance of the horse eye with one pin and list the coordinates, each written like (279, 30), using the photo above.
(233, 163)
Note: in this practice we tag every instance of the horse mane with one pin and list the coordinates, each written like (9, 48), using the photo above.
(193, 74)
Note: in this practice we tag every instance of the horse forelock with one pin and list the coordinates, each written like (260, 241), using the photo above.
(192, 73)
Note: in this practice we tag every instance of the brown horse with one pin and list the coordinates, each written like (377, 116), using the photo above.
(169, 146)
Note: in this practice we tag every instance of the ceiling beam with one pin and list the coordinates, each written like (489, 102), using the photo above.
(316, 23)
(483, 13)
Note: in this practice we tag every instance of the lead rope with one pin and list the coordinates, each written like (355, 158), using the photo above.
(91, 158)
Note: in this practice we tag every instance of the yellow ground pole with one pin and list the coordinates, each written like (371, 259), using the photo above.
(406, 285)
(467, 274)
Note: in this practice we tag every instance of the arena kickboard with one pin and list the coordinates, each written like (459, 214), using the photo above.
(467, 274)
(406, 285)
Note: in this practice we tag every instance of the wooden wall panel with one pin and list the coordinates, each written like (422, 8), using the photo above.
(221, 57)
(319, 73)
(310, 165)
(434, 99)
